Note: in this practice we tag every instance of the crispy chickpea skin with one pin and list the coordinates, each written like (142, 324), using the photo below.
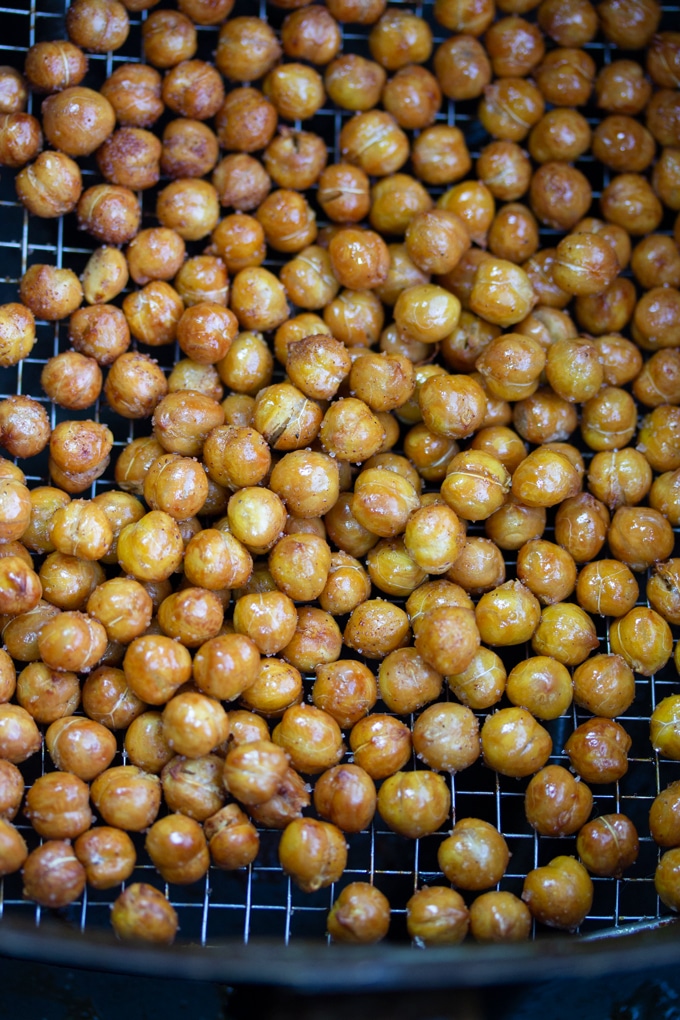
(142, 913)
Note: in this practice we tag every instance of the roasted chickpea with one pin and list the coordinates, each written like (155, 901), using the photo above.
(13, 90)
(608, 845)
(233, 840)
(571, 24)
(11, 791)
(312, 34)
(241, 180)
(78, 120)
(178, 849)
(662, 590)
(414, 804)
(47, 694)
(51, 186)
(104, 276)
(169, 37)
(49, 293)
(437, 915)
(557, 804)
(313, 853)
(107, 854)
(566, 78)
(353, 82)
(146, 748)
(499, 917)
(663, 817)
(361, 914)
(247, 49)
(134, 91)
(475, 855)
(58, 806)
(622, 87)
(446, 737)
(52, 874)
(142, 913)
(108, 700)
(560, 894)
(598, 750)
(514, 743)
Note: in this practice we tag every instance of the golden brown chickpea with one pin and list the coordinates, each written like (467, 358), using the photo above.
(19, 735)
(49, 293)
(343, 193)
(623, 144)
(190, 207)
(233, 840)
(658, 437)
(479, 567)
(313, 853)
(11, 791)
(81, 746)
(130, 158)
(227, 665)
(361, 914)
(258, 299)
(47, 694)
(145, 747)
(559, 195)
(194, 724)
(300, 564)
(560, 894)
(666, 879)
(100, 332)
(169, 37)
(654, 314)
(77, 120)
(619, 477)
(605, 685)
(469, 16)
(547, 570)
(51, 186)
(475, 855)
(278, 685)
(183, 421)
(581, 526)
(68, 581)
(659, 380)
(312, 34)
(510, 107)
(515, 47)
(355, 317)
(353, 82)
(609, 419)
(629, 202)
(24, 426)
(663, 817)
(399, 38)
(446, 737)
(406, 682)
(70, 379)
(190, 375)
(598, 750)
(346, 690)
(15, 509)
(8, 684)
(606, 587)
(178, 849)
(663, 591)
(571, 24)
(440, 155)
(513, 235)
(73, 642)
(565, 632)
(412, 96)
(58, 806)
(514, 743)
(621, 87)
(665, 178)
(620, 359)
(295, 159)
(253, 772)
(566, 78)
(311, 738)
(643, 638)
(108, 700)
(629, 24)
(194, 89)
(82, 529)
(609, 311)
(190, 149)
(97, 25)
(414, 804)
(542, 685)
(107, 854)
(155, 667)
(557, 804)
(20, 634)
(345, 795)
(247, 49)
(13, 90)
(104, 276)
(52, 874)
(381, 745)
(663, 728)
(437, 915)
(374, 142)
(499, 917)
(134, 91)
(295, 90)
(246, 121)
(462, 67)
(142, 913)
(639, 537)
(134, 387)
(505, 170)
(20, 139)
(436, 239)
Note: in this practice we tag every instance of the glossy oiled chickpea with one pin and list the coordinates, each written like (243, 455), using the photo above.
(479, 566)
(52, 874)
(560, 894)
(515, 47)
(105, 275)
(629, 25)
(514, 743)
(183, 420)
(233, 840)
(13, 90)
(542, 685)
(437, 915)
(434, 537)
(399, 38)
(343, 193)
(19, 735)
(73, 642)
(623, 144)
(374, 142)
(510, 107)
(155, 667)
(565, 632)
(313, 853)
(440, 155)
(499, 917)
(505, 169)
(11, 791)
(134, 386)
(629, 202)
(71, 380)
(203, 278)
(20, 139)
(68, 581)
(258, 298)
(556, 803)
(513, 235)
(581, 525)
(346, 690)
(295, 159)
(381, 745)
(571, 24)
(77, 120)
(608, 845)
(51, 186)
(191, 616)
(566, 78)
(664, 732)
(475, 855)
(241, 181)
(446, 737)
(20, 635)
(514, 524)
(311, 33)
(447, 638)
(436, 239)
(640, 536)
(253, 772)
(247, 48)
(146, 749)
(190, 207)
(153, 312)
(462, 67)
(58, 806)
(383, 501)
(142, 913)
(654, 314)
(547, 570)
(130, 158)
(622, 87)
(609, 311)
(355, 317)
(663, 590)
(619, 477)
(108, 700)
(620, 359)
(361, 914)
(663, 817)
(47, 694)
(268, 618)
(178, 849)
(108, 856)
(299, 565)
(295, 90)
(609, 419)
(99, 331)
(246, 121)
(665, 178)
(97, 25)
(278, 685)
(560, 195)
(598, 750)
(169, 37)
(658, 438)
(353, 82)
(666, 879)
(472, 18)
(659, 380)
(48, 293)
(414, 804)
(412, 96)
(134, 91)
(643, 639)
(24, 426)
(607, 587)
(350, 431)
(311, 738)
(193, 88)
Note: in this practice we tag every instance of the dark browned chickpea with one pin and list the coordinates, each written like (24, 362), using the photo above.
(665, 178)
(353, 82)
(178, 848)
(514, 743)
(52, 874)
(49, 293)
(472, 17)
(598, 750)
(233, 840)
(312, 34)
(313, 853)
(190, 149)
(13, 90)
(570, 24)
(514, 46)
(557, 804)
(621, 87)
(560, 894)
(247, 48)
(475, 855)
(142, 913)
(134, 91)
(623, 144)
(51, 186)
(78, 119)
(58, 806)
(608, 845)
(343, 193)
(169, 37)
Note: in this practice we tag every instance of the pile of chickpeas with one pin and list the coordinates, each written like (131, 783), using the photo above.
(265, 530)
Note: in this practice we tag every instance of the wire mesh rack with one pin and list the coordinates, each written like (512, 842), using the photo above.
(261, 900)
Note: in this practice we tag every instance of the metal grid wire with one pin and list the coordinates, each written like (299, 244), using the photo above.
(261, 900)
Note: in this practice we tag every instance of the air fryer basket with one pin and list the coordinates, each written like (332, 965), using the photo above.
(254, 924)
